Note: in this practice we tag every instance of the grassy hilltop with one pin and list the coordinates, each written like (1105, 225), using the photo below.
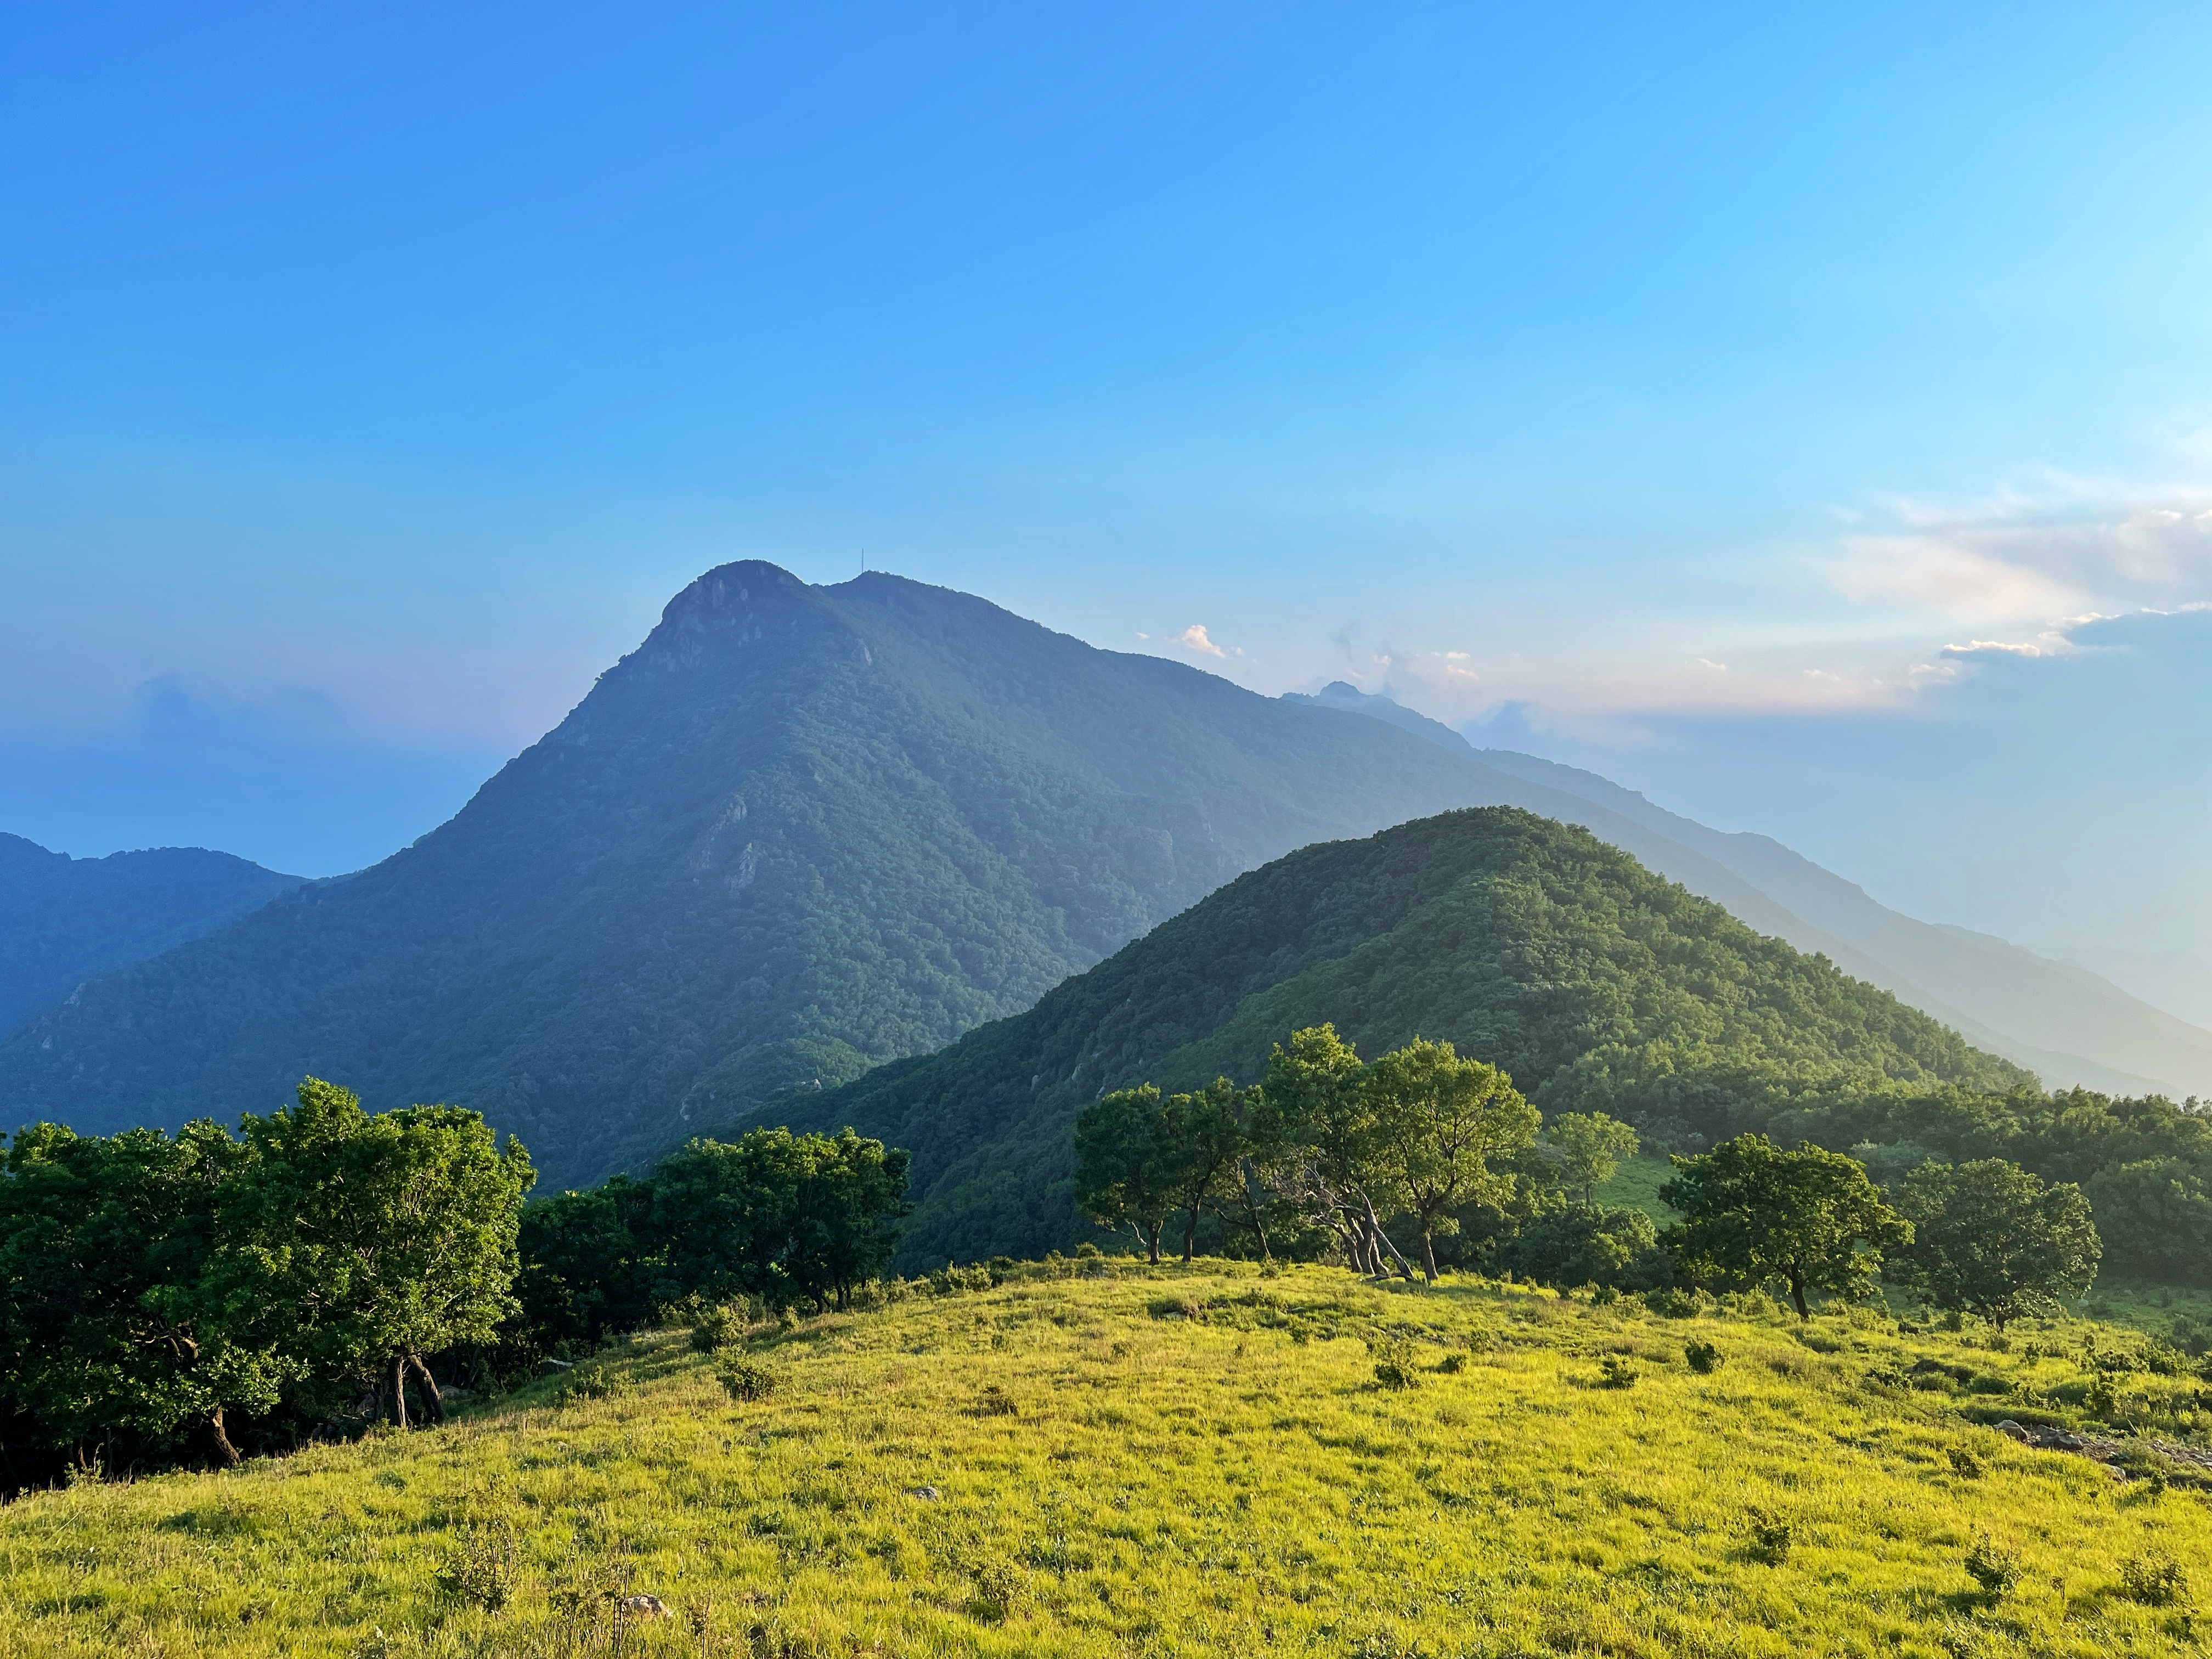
(1184, 1462)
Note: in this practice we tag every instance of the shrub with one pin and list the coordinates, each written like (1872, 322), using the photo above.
(747, 1380)
(1770, 1539)
(1395, 1365)
(1452, 1364)
(1671, 1302)
(1996, 1570)
(2155, 1579)
(594, 1382)
(1174, 1307)
(1702, 1357)
(719, 1327)
(995, 1401)
(1964, 1463)
(1614, 1372)
(999, 1588)
(480, 1568)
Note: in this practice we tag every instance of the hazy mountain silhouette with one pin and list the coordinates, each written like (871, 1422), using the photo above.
(63, 920)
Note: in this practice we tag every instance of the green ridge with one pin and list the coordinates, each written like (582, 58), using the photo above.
(1521, 941)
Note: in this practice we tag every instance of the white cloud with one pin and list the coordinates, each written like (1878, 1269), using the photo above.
(1194, 638)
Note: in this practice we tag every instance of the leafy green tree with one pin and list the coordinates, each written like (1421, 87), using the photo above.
(725, 1218)
(1203, 1136)
(108, 1322)
(1437, 1122)
(1125, 1168)
(1991, 1239)
(375, 1241)
(1590, 1146)
(850, 1190)
(1752, 1212)
(1319, 1146)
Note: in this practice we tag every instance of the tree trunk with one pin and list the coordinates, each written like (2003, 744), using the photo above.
(1375, 1222)
(429, 1386)
(223, 1440)
(1189, 1235)
(399, 1391)
(1797, 1292)
(1428, 1256)
(1153, 1242)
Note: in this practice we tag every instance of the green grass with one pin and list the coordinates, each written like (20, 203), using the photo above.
(1116, 1476)
(1636, 1186)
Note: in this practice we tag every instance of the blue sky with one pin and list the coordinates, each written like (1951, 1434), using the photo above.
(1687, 386)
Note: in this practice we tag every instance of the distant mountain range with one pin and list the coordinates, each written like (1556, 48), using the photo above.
(63, 920)
(1530, 944)
(802, 831)
(2057, 1019)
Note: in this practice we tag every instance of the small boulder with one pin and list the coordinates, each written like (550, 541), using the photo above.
(643, 1606)
(2012, 1430)
(927, 1494)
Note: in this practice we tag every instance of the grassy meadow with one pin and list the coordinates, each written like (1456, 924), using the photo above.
(1179, 1461)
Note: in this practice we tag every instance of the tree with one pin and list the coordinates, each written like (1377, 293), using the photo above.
(108, 1321)
(1125, 1171)
(1202, 1137)
(1753, 1212)
(1437, 1120)
(849, 1190)
(376, 1240)
(1990, 1238)
(1318, 1145)
(725, 1218)
(1590, 1146)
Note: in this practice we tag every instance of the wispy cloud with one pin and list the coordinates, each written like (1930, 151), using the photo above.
(1194, 638)
(2054, 547)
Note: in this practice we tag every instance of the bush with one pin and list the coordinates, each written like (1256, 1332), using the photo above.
(719, 1327)
(481, 1567)
(747, 1380)
(1394, 1364)
(1996, 1570)
(594, 1382)
(1703, 1357)
(1614, 1372)
(1452, 1364)
(995, 1401)
(1964, 1463)
(1583, 1245)
(1670, 1302)
(1770, 1540)
(2155, 1579)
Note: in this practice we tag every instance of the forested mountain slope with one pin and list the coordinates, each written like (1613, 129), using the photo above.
(1528, 944)
(2059, 1020)
(798, 831)
(63, 919)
